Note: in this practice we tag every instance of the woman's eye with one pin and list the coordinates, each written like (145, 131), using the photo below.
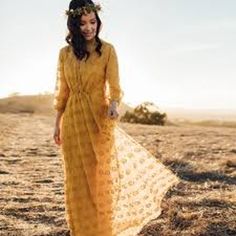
(91, 22)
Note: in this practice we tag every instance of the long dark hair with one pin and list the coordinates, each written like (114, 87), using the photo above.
(75, 37)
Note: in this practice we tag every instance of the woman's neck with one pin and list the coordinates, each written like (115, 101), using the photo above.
(91, 43)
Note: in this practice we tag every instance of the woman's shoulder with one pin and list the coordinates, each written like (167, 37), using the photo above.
(108, 48)
(64, 49)
(107, 45)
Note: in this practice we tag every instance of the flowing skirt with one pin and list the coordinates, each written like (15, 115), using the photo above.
(113, 186)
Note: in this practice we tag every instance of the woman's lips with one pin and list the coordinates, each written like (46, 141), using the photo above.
(87, 35)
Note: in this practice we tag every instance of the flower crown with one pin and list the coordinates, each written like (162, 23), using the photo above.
(83, 10)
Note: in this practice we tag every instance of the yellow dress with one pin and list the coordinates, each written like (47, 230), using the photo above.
(113, 186)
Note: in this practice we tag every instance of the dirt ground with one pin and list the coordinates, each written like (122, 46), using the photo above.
(31, 178)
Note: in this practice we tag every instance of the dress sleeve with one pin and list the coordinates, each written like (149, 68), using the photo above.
(61, 92)
(112, 77)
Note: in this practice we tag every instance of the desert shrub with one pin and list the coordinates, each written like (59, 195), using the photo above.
(145, 113)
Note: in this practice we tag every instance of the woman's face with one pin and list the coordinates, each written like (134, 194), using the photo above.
(88, 25)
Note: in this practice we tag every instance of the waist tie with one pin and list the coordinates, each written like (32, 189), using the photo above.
(84, 94)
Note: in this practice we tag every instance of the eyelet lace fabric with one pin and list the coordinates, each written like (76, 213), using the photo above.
(113, 186)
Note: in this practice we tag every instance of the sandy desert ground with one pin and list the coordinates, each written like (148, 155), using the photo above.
(31, 178)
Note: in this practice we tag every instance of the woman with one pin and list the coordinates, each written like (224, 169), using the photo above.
(113, 186)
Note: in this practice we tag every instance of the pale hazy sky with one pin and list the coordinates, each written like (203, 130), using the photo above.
(178, 53)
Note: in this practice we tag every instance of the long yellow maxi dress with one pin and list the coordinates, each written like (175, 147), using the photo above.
(113, 186)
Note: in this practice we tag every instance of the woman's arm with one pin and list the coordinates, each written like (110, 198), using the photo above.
(61, 95)
(62, 90)
(57, 130)
(113, 79)
(58, 118)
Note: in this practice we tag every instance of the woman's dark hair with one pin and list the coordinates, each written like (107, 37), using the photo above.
(75, 37)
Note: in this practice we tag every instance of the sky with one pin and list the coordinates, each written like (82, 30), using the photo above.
(173, 53)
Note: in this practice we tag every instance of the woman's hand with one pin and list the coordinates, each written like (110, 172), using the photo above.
(112, 110)
(56, 135)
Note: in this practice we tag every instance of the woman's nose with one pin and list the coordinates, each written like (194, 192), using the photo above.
(89, 28)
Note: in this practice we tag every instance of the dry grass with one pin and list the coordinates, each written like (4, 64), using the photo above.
(31, 178)
(204, 203)
(202, 154)
(36, 104)
(210, 123)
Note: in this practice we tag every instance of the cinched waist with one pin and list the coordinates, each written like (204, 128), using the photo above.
(79, 92)
(86, 95)
(97, 93)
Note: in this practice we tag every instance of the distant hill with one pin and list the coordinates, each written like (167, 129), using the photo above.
(40, 104)
(27, 103)
(200, 114)
(43, 104)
